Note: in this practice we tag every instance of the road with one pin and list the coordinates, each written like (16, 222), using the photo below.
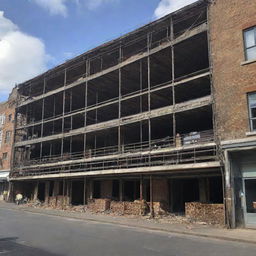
(23, 233)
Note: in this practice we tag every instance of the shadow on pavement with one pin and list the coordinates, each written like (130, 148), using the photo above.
(9, 246)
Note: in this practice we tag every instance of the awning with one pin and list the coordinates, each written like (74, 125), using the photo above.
(4, 175)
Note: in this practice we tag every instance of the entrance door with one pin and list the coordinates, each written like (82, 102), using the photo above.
(250, 201)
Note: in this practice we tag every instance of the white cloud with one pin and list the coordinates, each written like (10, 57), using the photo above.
(55, 7)
(59, 7)
(21, 56)
(168, 6)
(94, 4)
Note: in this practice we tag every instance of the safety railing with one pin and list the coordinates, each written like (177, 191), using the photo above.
(183, 140)
(185, 156)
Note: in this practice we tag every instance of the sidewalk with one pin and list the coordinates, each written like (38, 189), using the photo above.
(237, 235)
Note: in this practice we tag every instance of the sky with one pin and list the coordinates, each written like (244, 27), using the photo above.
(36, 35)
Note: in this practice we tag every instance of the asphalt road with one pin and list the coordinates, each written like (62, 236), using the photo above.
(23, 233)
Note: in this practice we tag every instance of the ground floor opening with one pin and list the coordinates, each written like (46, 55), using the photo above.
(154, 194)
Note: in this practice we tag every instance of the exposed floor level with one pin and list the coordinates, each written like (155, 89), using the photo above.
(27, 234)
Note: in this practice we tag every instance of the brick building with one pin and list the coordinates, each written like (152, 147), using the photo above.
(233, 54)
(122, 124)
(7, 116)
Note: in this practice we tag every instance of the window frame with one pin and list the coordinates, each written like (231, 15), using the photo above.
(251, 119)
(2, 119)
(7, 139)
(5, 156)
(254, 46)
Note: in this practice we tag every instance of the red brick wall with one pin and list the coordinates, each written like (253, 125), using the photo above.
(232, 81)
(7, 109)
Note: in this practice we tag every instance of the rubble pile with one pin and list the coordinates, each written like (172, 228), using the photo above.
(99, 205)
(160, 208)
(209, 213)
(117, 207)
(132, 208)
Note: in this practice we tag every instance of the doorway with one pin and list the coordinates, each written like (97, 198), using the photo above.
(249, 185)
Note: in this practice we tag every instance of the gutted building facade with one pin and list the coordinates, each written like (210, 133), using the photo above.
(129, 121)
(7, 119)
(233, 54)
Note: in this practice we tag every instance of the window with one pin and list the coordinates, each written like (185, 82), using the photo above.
(252, 110)
(1, 137)
(10, 118)
(2, 119)
(250, 43)
(5, 155)
(8, 135)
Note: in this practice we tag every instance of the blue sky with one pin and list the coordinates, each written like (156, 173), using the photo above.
(36, 35)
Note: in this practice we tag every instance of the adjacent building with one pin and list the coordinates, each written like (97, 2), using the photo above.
(233, 44)
(7, 116)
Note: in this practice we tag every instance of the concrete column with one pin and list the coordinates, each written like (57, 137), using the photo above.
(134, 190)
(11, 196)
(67, 192)
(70, 192)
(121, 190)
(171, 197)
(151, 197)
(91, 190)
(36, 191)
(141, 187)
(85, 191)
(47, 187)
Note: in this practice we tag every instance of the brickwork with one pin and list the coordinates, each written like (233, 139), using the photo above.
(7, 109)
(232, 80)
(209, 213)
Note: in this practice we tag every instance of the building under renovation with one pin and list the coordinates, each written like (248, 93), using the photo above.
(130, 121)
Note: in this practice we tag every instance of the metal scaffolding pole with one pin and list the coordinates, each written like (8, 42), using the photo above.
(151, 197)
(173, 79)
(119, 100)
(141, 187)
(42, 126)
(85, 188)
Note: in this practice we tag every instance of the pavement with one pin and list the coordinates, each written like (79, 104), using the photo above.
(29, 233)
(199, 230)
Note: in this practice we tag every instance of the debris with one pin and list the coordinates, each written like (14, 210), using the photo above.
(206, 213)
